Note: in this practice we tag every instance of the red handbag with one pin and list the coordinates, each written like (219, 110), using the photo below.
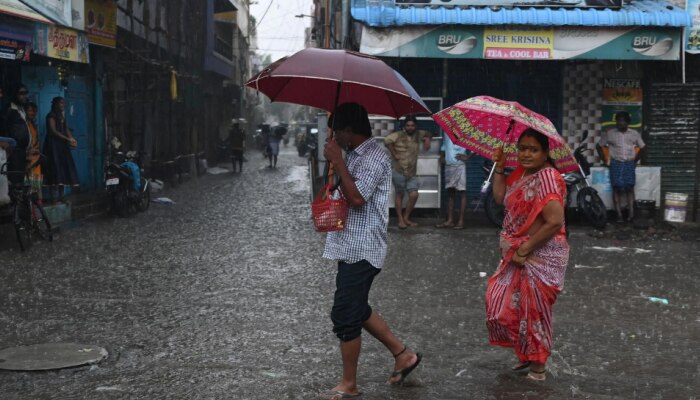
(329, 214)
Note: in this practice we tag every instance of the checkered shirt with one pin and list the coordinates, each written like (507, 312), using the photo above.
(364, 236)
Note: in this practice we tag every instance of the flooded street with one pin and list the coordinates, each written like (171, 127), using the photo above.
(224, 295)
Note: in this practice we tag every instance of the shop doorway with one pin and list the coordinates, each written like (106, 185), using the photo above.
(43, 86)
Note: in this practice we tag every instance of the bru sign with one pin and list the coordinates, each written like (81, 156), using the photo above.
(652, 45)
(456, 44)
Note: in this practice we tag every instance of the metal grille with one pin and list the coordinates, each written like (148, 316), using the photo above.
(672, 137)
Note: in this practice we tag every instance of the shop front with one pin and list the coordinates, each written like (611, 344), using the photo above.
(54, 61)
(60, 69)
(575, 66)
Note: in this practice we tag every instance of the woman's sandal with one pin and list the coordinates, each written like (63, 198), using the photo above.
(521, 366)
(403, 373)
(537, 376)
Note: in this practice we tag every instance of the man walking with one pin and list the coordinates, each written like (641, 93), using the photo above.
(454, 157)
(360, 248)
(237, 142)
(620, 148)
(404, 147)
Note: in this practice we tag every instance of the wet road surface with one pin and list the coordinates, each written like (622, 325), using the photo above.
(224, 295)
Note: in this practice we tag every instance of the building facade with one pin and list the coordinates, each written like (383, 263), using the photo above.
(576, 63)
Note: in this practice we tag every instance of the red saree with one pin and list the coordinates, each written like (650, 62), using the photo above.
(519, 299)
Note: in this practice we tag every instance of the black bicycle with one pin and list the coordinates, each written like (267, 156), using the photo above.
(28, 216)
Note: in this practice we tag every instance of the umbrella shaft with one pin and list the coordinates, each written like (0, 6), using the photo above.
(487, 183)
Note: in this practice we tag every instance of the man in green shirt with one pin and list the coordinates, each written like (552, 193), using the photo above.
(404, 148)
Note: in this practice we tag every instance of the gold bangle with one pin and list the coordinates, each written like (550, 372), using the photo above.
(517, 252)
(501, 172)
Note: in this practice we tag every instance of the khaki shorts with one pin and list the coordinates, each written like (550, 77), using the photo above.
(403, 183)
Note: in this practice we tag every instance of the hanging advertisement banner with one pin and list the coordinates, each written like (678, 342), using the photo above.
(693, 33)
(519, 44)
(78, 14)
(11, 49)
(59, 11)
(61, 43)
(516, 3)
(558, 43)
(101, 25)
(15, 39)
(622, 95)
(17, 9)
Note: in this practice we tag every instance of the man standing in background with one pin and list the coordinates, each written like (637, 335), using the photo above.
(404, 148)
(237, 142)
(454, 158)
(620, 149)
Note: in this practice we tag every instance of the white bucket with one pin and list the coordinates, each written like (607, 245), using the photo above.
(676, 204)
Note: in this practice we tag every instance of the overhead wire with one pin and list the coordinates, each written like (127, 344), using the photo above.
(264, 14)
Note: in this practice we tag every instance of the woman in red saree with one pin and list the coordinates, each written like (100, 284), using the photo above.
(534, 251)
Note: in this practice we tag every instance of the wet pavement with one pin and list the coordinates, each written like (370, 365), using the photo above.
(224, 295)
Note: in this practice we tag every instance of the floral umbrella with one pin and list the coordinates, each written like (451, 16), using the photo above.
(482, 124)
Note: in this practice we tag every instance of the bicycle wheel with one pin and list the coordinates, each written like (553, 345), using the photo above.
(592, 207)
(42, 225)
(144, 197)
(494, 212)
(23, 225)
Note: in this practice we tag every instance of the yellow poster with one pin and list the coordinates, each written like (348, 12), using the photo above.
(101, 22)
(622, 92)
(519, 44)
(61, 43)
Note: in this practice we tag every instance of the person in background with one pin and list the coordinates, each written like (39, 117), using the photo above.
(273, 145)
(454, 158)
(404, 148)
(34, 177)
(620, 148)
(15, 126)
(237, 142)
(60, 171)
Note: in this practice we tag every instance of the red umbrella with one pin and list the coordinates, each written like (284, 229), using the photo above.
(324, 78)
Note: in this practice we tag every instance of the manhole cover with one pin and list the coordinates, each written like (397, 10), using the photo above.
(45, 356)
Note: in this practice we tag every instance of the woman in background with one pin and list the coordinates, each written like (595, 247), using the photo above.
(34, 176)
(57, 148)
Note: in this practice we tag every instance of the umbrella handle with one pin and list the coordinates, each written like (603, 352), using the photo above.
(487, 183)
(329, 177)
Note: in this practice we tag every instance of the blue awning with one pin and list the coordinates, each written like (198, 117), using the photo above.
(636, 13)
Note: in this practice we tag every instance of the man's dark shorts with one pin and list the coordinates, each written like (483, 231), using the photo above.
(351, 303)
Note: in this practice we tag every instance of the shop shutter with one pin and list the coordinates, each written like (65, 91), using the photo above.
(672, 137)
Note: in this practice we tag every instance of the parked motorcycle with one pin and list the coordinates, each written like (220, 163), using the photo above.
(587, 201)
(128, 190)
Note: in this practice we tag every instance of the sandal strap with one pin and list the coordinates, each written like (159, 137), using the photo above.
(400, 352)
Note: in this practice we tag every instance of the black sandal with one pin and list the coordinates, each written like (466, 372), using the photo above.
(403, 373)
(521, 366)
